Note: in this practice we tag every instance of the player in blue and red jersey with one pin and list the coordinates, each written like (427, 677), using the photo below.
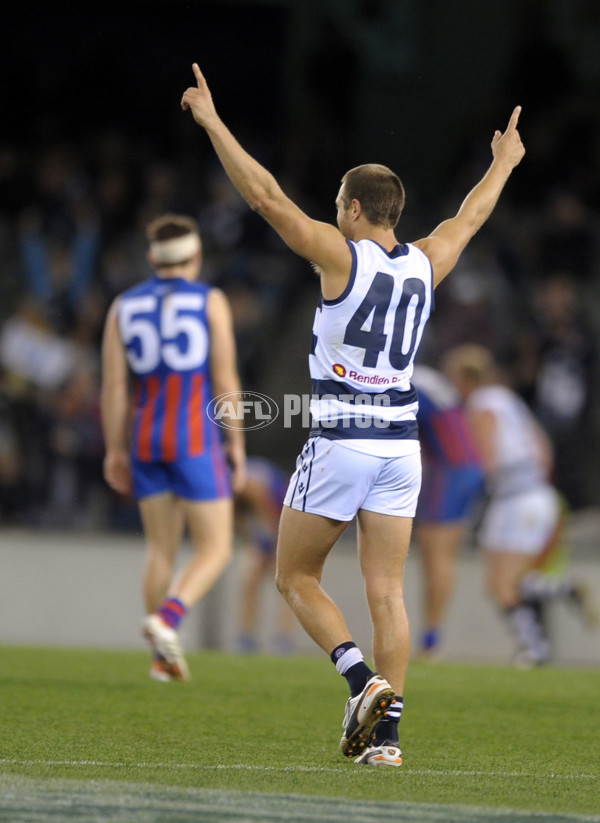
(174, 338)
(453, 483)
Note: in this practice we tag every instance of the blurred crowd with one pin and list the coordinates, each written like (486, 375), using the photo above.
(72, 236)
(528, 285)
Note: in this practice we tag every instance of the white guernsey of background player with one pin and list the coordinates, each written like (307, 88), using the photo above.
(376, 296)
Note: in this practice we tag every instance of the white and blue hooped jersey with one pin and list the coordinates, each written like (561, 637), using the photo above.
(363, 348)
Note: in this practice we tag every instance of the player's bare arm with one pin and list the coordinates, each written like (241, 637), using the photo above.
(445, 243)
(483, 428)
(225, 378)
(114, 405)
(320, 243)
(545, 449)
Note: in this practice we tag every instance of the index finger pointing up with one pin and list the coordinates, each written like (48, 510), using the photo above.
(197, 74)
(514, 118)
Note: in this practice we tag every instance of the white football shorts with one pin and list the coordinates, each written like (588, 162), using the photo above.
(334, 481)
(523, 523)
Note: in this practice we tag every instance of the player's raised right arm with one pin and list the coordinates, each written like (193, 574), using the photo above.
(321, 243)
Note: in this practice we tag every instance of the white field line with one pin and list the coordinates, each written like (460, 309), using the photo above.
(50, 800)
(305, 769)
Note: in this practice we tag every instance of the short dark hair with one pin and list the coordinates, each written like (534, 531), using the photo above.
(170, 226)
(378, 190)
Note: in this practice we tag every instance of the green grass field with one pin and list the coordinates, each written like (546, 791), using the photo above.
(86, 735)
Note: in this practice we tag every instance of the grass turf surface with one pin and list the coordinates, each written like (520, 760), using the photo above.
(486, 736)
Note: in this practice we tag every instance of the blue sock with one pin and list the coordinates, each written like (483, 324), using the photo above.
(430, 639)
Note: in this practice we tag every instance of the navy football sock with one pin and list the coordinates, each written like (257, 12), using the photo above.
(387, 728)
(350, 663)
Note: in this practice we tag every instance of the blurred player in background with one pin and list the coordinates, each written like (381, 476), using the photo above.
(362, 458)
(523, 524)
(452, 486)
(174, 336)
(257, 512)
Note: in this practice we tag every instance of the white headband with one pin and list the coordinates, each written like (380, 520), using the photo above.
(177, 250)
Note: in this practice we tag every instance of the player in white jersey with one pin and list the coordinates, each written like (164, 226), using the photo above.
(362, 458)
(524, 520)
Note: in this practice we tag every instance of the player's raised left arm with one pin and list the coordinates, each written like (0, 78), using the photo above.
(225, 377)
(446, 242)
(114, 405)
(321, 243)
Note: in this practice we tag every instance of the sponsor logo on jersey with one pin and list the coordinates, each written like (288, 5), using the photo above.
(367, 379)
(370, 379)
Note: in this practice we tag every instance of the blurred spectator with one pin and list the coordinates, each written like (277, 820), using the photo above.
(13, 492)
(50, 386)
(222, 218)
(60, 269)
(75, 452)
(567, 238)
(121, 267)
(556, 372)
(476, 303)
(32, 353)
(248, 314)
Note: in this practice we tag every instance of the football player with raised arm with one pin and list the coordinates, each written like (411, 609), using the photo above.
(362, 457)
(174, 337)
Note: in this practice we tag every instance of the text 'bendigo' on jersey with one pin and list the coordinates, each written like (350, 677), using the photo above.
(164, 328)
(364, 344)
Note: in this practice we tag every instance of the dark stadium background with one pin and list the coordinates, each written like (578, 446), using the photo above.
(310, 88)
(397, 76)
